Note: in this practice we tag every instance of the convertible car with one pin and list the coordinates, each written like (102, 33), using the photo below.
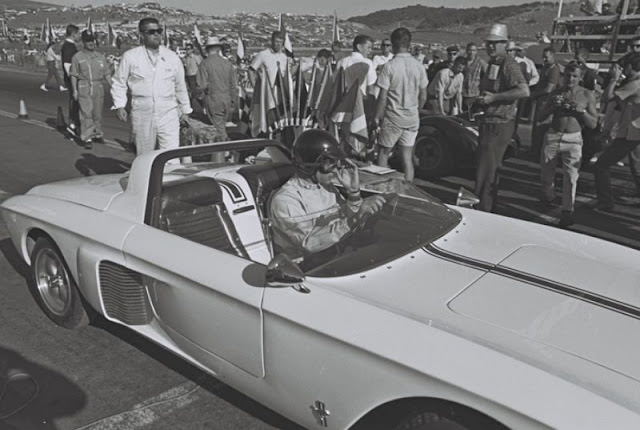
(428, 317)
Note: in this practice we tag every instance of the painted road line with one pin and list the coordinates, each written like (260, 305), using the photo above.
(42, 124)
(149, 411)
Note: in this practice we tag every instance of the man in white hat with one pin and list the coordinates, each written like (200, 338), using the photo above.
(154, 75)
(500, 89)
(217, 78)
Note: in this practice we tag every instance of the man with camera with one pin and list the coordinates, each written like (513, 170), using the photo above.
(573, 108)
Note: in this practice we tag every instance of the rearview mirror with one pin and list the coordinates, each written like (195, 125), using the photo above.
(282, 272)
(467, 199)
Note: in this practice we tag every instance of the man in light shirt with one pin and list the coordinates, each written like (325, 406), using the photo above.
(403, 90)
(386, 55)
(445, 91)
(271, 59)
(362, 46)
(154, 75)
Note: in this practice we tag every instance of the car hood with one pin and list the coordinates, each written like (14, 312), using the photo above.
(95, 192)
(543, 294)
(533, 252)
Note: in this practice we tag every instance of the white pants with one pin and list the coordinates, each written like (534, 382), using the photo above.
(151, 124)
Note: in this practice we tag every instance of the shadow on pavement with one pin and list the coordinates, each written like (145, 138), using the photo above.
(32, 396)
(15, 260)
(90, 164)
(203, 379)
(127, 146)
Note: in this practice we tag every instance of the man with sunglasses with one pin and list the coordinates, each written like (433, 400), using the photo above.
(154, 75)
(500, 89)
(308, 213)
(381, 60)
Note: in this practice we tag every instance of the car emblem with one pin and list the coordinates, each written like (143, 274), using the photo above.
(320, 412)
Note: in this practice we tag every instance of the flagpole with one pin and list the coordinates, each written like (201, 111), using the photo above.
(323, 84)
(290, 90)
(299, 102)
(284, 103)
(310, 94)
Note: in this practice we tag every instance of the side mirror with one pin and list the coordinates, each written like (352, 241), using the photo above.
(467, 199)
(282, 272)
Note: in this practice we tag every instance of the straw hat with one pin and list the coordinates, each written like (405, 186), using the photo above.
(498, 33)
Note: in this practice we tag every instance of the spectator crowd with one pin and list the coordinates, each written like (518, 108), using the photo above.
(371, 101)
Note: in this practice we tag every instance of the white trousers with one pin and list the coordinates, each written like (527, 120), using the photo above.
(154, 126)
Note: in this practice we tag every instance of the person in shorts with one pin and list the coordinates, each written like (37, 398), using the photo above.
(403, 90)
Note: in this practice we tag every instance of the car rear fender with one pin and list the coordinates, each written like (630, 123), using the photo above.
(84, 236)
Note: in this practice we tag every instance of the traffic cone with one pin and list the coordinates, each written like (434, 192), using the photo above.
(61, 124)
(23, 110)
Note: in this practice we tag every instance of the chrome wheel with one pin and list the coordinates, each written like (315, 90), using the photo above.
(52, 282)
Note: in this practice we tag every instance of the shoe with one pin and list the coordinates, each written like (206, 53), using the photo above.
(43, 87)
(566, 219)
(71, 129)
(63, 89)
(87, 144)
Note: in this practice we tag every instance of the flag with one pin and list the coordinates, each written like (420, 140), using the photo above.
(301, 97)
(89, 25)
(4, 31)
(43, 33)
(336, 29)
(262, 106)
(240, 49)
(165, 34)
(244, 109)
(111, 36)
(288, 48)
(350, 113)
(50, 35)
(329, 95)
(197, 38)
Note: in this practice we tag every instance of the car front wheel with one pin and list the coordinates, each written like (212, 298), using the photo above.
(54, 288)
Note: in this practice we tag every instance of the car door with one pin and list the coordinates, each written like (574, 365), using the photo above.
(207, 301)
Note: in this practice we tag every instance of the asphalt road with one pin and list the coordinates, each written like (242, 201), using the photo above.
(106, 377)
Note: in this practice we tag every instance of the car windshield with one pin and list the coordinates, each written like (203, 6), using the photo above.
(410, 219)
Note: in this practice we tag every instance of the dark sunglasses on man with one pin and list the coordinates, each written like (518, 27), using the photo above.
(153, 31)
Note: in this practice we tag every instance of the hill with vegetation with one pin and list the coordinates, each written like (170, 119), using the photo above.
(524, 20)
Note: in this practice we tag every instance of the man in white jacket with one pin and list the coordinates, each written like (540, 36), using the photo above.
(159, 99)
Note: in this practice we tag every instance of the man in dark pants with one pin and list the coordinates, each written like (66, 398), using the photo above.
(549, 81)
(500, 89)
(217, 79)
(67, 52)
(628, 131)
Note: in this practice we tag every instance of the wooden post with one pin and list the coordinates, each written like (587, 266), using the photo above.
(616, 28)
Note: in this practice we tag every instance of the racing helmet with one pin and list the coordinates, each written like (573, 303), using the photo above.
(315, 149)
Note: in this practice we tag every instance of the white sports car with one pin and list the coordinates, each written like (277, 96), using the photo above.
(430, 317)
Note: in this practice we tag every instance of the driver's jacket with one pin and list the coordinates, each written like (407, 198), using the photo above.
(307, 217)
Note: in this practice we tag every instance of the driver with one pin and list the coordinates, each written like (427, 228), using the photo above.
(308, 213)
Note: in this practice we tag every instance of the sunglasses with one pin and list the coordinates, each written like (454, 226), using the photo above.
(636, 46)
(153, 31)
(386, 44)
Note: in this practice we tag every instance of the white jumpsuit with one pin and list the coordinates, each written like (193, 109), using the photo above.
(158, 96)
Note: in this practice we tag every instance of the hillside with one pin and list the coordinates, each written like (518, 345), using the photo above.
(524, 21)
(23, 4)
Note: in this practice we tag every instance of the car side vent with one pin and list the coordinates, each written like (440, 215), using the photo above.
(123, 294)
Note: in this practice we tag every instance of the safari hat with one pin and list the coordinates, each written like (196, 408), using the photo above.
(498, 33)
(213, 41)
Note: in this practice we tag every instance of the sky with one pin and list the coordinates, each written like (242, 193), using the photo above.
(345, 8)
